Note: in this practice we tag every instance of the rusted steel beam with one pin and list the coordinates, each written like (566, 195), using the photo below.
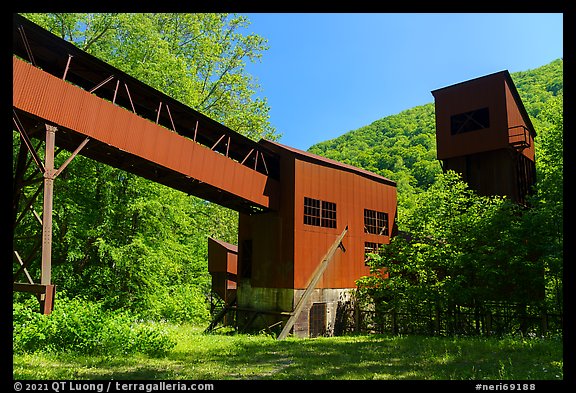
(46, 272)
(28, 143)
(99, 85)
(31, 287)
(69, 159)
(116, 91)
(217, 142)
(129, 97)
(195, 130)
(158, 112)
(26, 45)
(27, 206)
(170, 116)
(34, 178)
(264, 162)
(27, 261)
(37, 217)
(67, 67)
(45, 292)
(28, 277)
(47, 300)
(247, 155)
(22, 164)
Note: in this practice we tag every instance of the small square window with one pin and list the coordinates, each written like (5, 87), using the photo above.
(328, 214)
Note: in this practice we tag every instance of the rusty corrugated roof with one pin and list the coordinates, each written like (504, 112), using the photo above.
(306, 156)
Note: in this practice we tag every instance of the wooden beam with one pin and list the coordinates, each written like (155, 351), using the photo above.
(313, 281)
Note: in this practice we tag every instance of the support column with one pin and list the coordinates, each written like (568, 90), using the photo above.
(46, 272)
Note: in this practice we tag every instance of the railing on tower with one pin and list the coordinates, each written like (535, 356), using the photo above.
(519, 137)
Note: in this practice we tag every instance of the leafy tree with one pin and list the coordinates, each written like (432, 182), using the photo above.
(458, 248)
(123, 239)
(547, 213)
(455, 249)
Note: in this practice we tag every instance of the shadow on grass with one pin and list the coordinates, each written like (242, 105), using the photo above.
(382, 357)
(239, 357)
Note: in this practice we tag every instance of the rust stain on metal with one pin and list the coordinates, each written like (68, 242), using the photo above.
(283, 242)
(484, 133)
(45, 96)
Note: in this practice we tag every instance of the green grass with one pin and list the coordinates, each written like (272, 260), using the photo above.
(219, 356)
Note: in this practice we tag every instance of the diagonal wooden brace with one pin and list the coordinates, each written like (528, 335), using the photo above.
(313, 281)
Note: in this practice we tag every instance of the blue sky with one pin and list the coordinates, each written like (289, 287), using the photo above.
(329, 73)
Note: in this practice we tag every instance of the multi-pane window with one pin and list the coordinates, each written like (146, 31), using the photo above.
(375, 222)
(311, 211)
(319, 213)
(370, 248)
(328, 214)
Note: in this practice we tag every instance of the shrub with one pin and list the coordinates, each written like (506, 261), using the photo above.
(178, 304)
(84, 327)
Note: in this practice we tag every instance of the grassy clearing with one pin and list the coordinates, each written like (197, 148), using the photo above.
(219, 356)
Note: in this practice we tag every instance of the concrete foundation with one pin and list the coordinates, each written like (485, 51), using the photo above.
(262, 308)
(318, 318)
(269, 308)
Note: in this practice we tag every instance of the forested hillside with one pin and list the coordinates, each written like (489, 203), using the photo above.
(402, 147)
(135, 245)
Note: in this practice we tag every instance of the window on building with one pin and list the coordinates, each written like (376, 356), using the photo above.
(328, 214)
(319, 213)
(375, 222)
(311, 211)
(470, 121)
(370, 248)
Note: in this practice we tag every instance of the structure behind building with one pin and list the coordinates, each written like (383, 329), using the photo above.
(484, 133)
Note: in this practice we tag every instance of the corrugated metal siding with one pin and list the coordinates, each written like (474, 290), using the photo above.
(352, 193)
(57, 101)
(515, 118)
(490, 159)
(465, 97)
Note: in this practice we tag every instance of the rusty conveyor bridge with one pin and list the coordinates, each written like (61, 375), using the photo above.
(68, 99)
